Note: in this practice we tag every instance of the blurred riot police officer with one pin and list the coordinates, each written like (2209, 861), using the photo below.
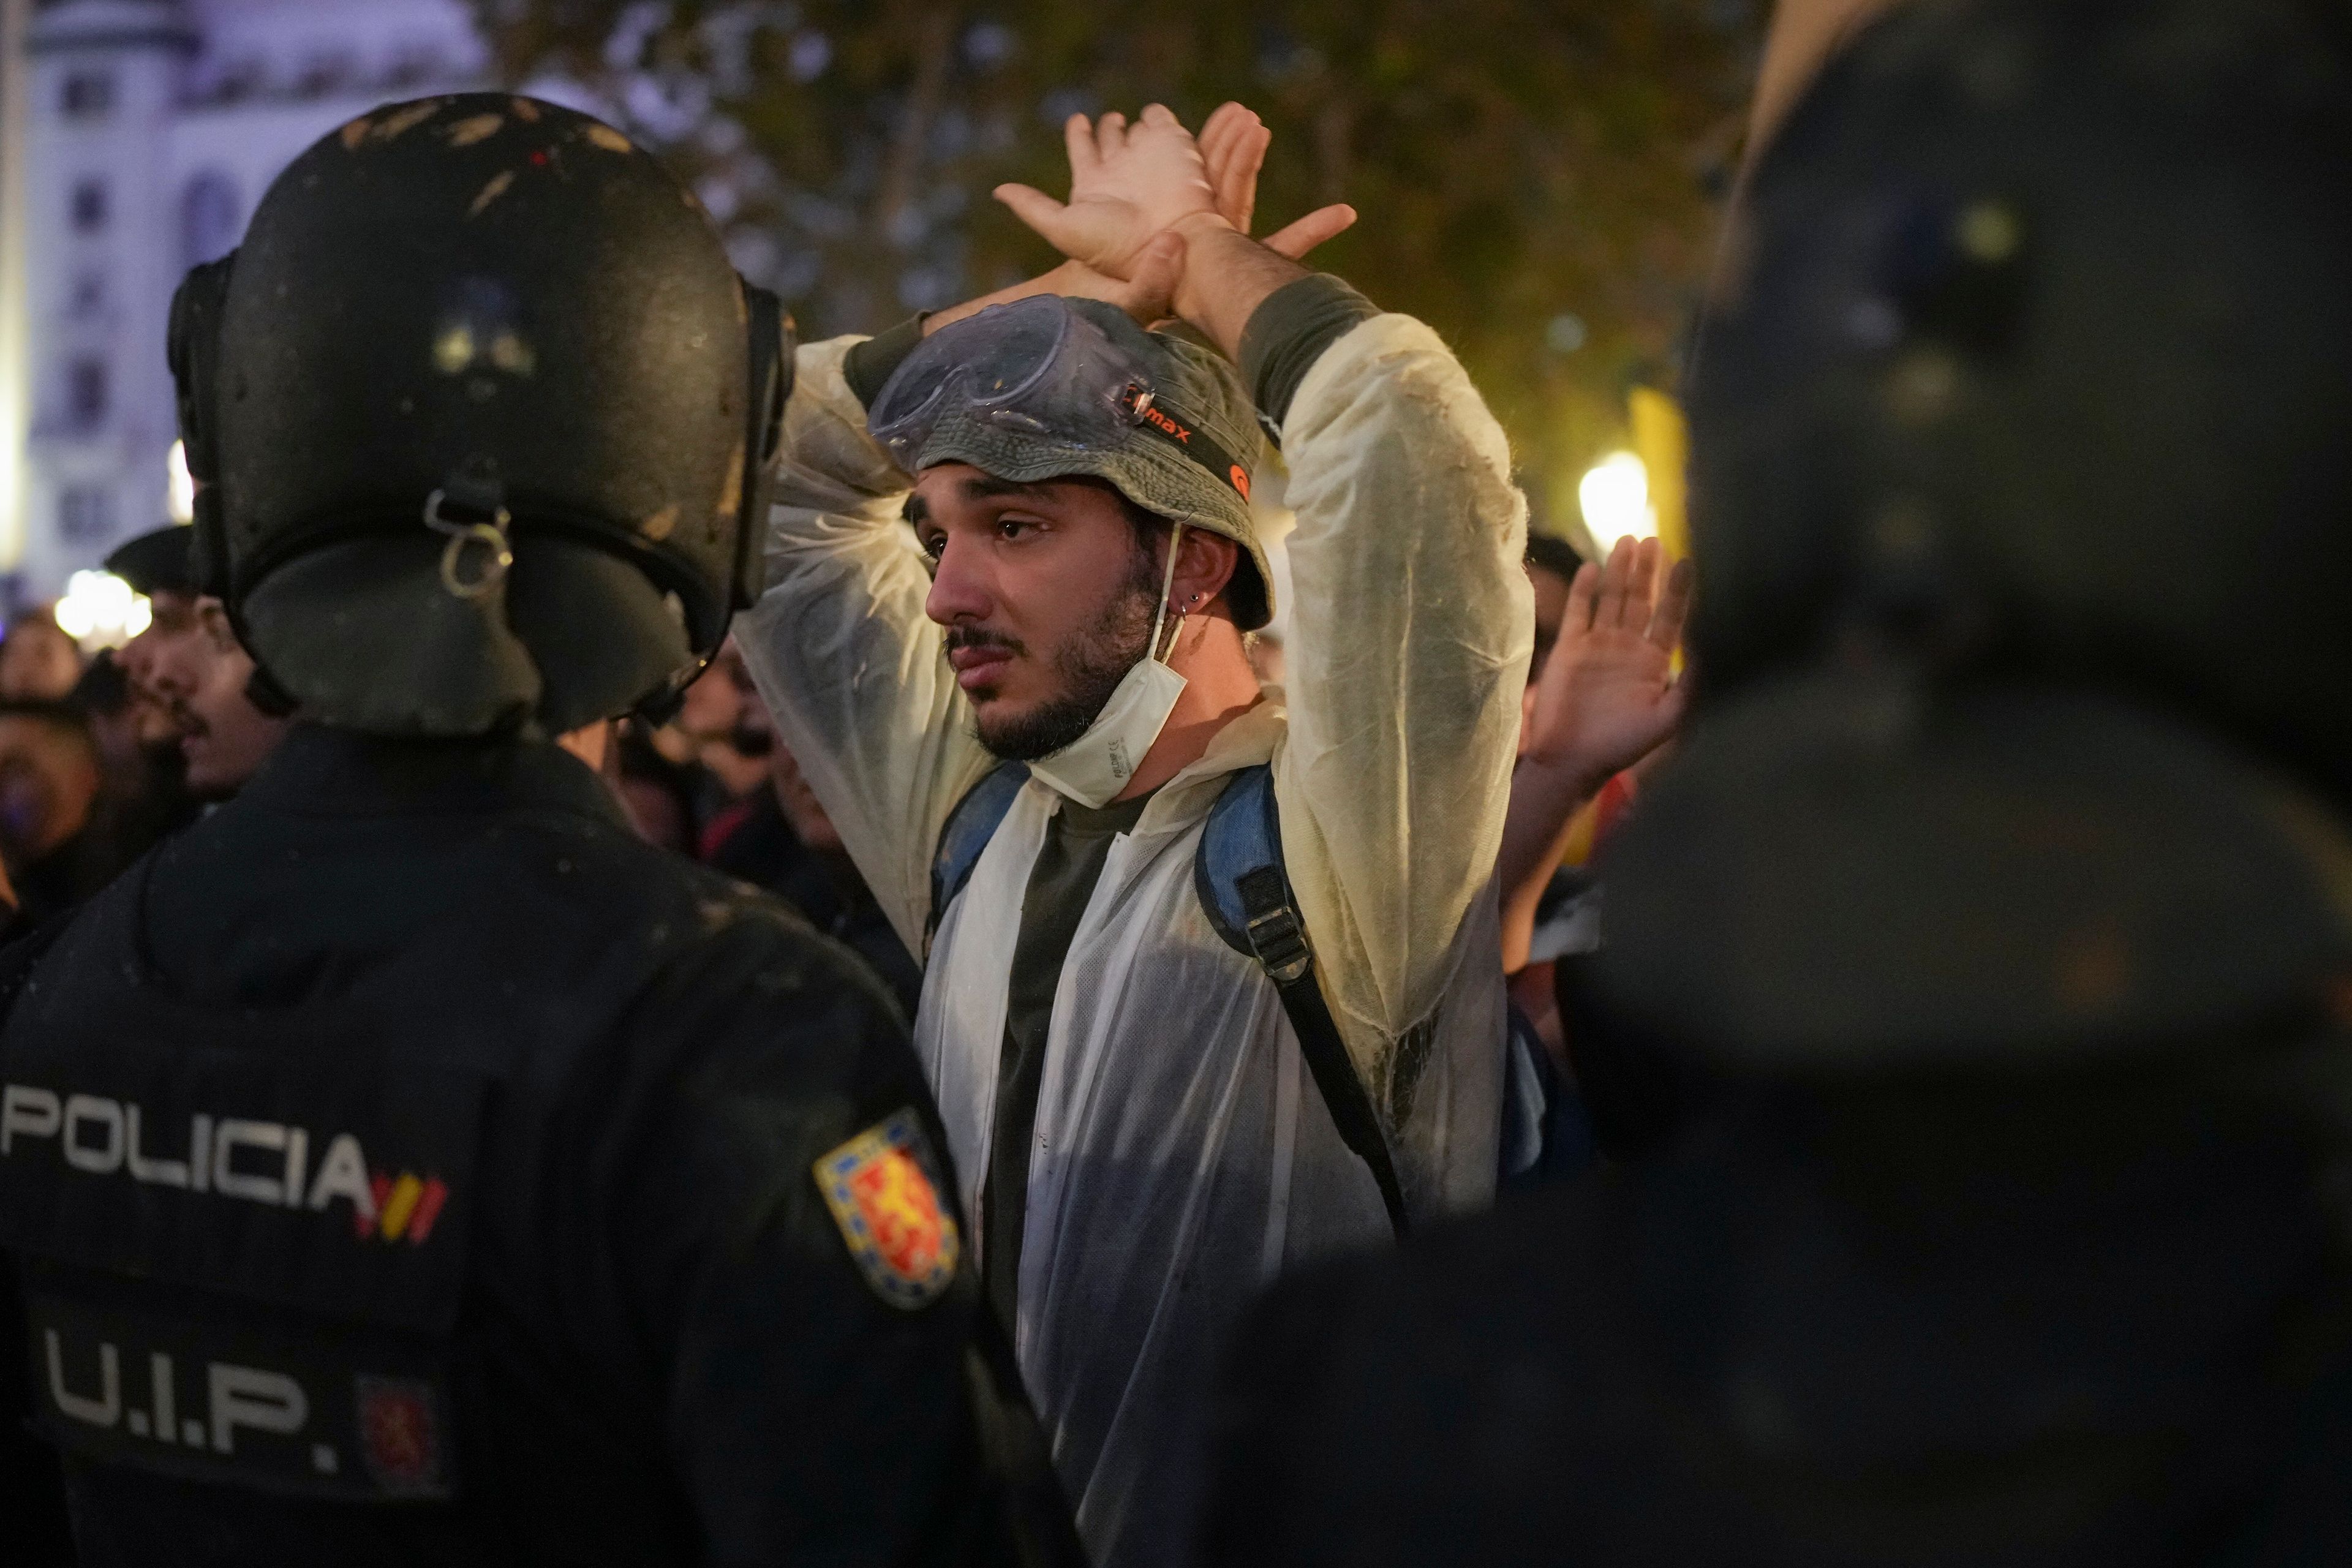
(406, 1164)
(2002, 891)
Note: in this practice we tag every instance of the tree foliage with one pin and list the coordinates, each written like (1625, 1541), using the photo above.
(1537, 178)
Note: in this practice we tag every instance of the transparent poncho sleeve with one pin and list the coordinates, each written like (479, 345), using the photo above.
(842, 652)
(1411, 623)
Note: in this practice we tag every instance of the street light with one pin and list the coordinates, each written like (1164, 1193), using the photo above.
(181, 497)
(1615, 495)
(100, 609)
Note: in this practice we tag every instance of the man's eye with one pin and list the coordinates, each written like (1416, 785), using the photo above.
(1014, 527)
(935, 545)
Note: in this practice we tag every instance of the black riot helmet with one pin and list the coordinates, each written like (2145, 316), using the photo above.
(2035, 354)
(480, 415)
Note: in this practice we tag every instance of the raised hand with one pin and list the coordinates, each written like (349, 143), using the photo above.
(1608, 697)
(1130, 182)
(1233, 143)
(1127, 183)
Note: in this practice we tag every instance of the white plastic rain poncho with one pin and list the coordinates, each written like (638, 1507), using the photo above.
(1183, 1155)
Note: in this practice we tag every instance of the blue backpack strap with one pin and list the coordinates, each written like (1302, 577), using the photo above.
(970, 826)
(1245, 892)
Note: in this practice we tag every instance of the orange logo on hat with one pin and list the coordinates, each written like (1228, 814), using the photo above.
(1241, 480)
(1159, 421)
(880, 1189)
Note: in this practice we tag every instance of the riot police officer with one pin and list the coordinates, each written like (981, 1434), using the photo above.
(1997, 897)
(407, 1164)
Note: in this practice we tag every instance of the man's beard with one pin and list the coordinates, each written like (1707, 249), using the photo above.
(1091, 664)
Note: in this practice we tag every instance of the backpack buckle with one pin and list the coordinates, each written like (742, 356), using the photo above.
(1275, 933)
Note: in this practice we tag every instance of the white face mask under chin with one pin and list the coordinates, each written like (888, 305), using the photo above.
(1093, 769)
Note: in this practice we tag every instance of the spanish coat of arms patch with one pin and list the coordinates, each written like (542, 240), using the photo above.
(884, 1190)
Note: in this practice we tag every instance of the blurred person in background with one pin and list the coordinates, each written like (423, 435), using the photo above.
(144, 753)
(135, 730)
(777, 836)
(1602, 700)
(1997, 894)
(687, 778)
(1553, 896)
(720, 730)
(205, 679)
(189, 664)
(144, 795)
(38, 662)
(663, 798)
(50, 783)
(651, 792)
(1552, 565)
(749, 736)
(780, 838)
(156, 564)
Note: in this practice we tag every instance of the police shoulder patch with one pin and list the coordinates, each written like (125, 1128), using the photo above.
(883, 1189)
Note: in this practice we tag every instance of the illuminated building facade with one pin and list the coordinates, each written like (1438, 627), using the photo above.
(152, 128)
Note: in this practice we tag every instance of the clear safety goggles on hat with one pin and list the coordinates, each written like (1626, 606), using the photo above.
(1035, 367)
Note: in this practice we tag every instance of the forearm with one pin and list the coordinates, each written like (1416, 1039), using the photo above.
(1226, 275)
(1546, 800)
(1070, 279)
(1412, 622)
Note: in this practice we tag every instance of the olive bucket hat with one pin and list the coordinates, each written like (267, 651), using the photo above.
(1046, 387)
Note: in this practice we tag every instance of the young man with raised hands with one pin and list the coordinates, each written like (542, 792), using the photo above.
(1143, 1135)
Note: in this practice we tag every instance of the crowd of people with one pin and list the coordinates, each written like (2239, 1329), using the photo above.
(789, 978)
(105, 753)
(88, 768)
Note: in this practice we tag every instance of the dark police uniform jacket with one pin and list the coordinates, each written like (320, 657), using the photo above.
(2009, 1227)
(1715, 1361)
(407, 1164)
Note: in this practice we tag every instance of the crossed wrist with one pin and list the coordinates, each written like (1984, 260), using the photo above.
(1199, 232)
(1194, 224)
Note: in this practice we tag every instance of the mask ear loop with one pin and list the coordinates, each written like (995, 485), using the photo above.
(1168, 586)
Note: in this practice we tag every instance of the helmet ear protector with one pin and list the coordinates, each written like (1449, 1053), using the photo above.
(199, 306)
